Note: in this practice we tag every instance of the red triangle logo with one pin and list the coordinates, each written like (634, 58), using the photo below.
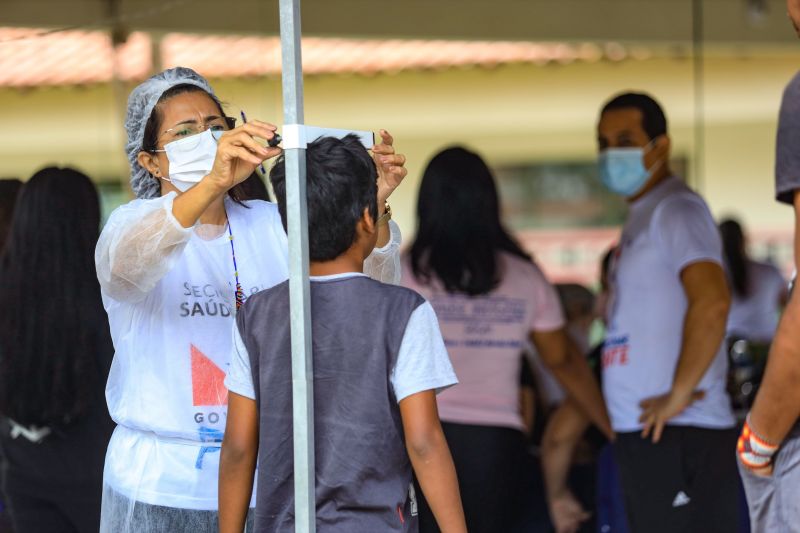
(208, 381)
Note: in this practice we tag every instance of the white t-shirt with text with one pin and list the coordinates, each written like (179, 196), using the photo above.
(667, 230)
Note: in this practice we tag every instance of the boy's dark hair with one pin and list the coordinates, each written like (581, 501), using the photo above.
(654, 122)
(341, 181)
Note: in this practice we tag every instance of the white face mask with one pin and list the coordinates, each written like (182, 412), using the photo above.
(191, 159)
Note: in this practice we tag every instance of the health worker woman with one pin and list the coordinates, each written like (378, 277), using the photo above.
(173, 266)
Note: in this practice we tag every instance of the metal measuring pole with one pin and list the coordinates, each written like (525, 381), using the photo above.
(299, 296)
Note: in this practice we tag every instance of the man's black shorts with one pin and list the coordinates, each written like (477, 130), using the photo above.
(688, 482)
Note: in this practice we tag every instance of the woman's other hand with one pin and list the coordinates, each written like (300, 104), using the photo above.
(391, 167)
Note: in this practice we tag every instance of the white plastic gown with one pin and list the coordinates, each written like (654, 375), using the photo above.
(169, 294)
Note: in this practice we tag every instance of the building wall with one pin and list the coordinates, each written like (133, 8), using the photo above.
(511, 114)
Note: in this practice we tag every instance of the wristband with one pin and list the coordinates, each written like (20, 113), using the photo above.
(753, 450)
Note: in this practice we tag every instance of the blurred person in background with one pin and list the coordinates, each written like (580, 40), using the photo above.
(759, 294)
(55, 354)
(540, 397)
(564, 433)
(664, 360)
(769, 446)
(571, 499)
(759, 290)
(577, 303)
(174, 265)
(9, 189)
(611, 515)
(490, 298)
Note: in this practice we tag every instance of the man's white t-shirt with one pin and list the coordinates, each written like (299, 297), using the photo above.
(667, 230)
(422, 362)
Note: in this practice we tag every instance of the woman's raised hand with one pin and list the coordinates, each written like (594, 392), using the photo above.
(391, 167)
(239, 153)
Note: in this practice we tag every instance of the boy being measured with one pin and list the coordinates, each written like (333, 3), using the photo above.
(379, 359)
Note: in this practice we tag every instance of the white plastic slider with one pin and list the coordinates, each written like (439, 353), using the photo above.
(294, 136)
(299, 135)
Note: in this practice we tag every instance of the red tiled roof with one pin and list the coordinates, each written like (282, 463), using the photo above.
(260, 56)
(28, 58)
(69, 58)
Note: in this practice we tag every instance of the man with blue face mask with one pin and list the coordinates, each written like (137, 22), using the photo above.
(664, 365)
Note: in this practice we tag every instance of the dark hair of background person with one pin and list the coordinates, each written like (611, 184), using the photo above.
(53, 330)
(459, 232)
(9, 189)
(605, 267)
(654, 122)
(341, 182)
(154, 125)
(733, 244)
(254, 188)
(576, 299)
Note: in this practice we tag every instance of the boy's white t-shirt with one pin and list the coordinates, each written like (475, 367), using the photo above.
(422, 362)
(667, 230)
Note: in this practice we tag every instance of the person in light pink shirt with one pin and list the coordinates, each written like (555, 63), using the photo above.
(490, 298)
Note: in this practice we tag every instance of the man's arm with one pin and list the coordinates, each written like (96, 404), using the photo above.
(709, 299)
(777, 405)
(237, 463)
(430, 457)
(572, 370)
(562, 435)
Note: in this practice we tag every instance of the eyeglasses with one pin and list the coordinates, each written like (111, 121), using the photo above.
(193, 129)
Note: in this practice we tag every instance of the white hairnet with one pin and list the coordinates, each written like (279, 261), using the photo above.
(140, 106)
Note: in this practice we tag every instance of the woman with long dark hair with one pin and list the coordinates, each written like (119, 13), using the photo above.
(55, 353)
(759, 290)
(490, 298)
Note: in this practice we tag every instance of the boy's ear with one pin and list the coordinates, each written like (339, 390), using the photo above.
(367, 222)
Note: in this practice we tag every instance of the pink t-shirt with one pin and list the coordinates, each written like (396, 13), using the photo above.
(485, 336)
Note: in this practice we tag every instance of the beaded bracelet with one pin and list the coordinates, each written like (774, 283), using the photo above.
(754, 451)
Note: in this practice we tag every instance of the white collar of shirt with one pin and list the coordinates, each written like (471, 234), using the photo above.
(655, 195)
(343, 275)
